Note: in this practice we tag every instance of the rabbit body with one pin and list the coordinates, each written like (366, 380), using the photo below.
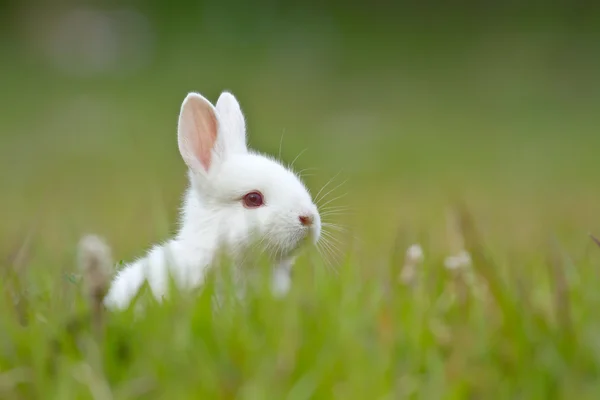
(237, 199)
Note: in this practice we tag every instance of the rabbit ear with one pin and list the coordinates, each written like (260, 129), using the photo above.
(232, 130)
(197, 132)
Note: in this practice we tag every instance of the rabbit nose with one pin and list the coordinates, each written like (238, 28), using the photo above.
(306, 220)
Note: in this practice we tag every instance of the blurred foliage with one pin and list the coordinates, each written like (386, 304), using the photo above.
(413, 104)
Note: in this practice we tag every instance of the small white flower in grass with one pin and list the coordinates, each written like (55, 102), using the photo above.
(414, 257)
(414, 254)
(458, 261)
(464, 257)
(95, 262)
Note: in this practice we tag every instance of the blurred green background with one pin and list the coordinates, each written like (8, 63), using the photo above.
(415, 106)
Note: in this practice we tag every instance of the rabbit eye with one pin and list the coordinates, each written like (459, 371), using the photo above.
(253, 200)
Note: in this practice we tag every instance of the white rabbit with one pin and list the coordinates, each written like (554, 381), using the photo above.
(235, 197)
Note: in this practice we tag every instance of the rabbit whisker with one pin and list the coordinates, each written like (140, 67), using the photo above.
(335, 198)
(323, 197)
(298, 156)
(280, 144)
(325, 185)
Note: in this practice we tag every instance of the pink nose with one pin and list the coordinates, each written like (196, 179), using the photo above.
(306, 220)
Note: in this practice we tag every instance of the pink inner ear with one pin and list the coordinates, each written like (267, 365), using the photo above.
(207, 136)
(203, 133)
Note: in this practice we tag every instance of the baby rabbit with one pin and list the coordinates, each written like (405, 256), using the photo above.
(236, 198)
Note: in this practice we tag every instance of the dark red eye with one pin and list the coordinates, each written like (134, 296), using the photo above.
(253, 200)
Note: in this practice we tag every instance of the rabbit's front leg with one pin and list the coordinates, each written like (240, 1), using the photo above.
(282, 277)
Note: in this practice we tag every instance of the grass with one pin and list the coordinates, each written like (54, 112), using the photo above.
(480, 331)
(414, 129)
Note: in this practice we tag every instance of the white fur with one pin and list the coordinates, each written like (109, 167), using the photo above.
(213, 216)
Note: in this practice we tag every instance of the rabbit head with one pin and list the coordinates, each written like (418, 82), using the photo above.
(238, 197)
